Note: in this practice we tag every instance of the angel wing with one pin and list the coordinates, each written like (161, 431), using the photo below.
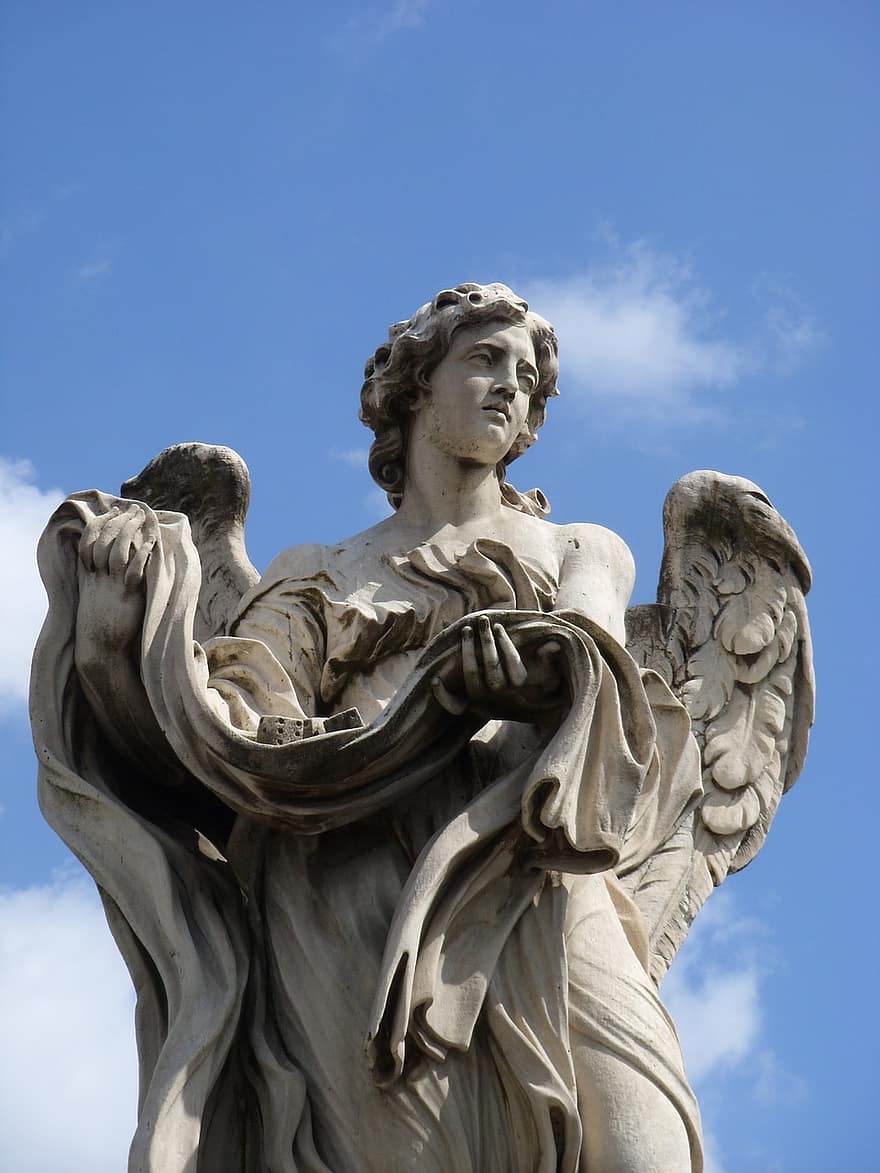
(212, 486)
(729, 634)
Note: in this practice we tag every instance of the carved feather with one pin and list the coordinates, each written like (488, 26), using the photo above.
(730, 627)
(211, 485)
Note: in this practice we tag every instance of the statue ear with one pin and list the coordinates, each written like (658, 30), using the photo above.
(419, 392)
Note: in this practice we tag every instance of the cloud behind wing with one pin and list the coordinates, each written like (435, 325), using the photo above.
(713, 989)
(24, 511)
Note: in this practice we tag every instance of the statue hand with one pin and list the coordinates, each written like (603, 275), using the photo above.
(497, 681)
(119, 542)
(113, 552)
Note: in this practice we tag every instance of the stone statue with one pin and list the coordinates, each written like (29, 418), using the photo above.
(398, 838)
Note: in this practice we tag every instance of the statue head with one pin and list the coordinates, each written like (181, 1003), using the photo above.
(397, 377)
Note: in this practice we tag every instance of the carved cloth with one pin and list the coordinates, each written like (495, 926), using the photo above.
(442, 886)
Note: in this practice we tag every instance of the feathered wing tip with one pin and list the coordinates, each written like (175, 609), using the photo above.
(211, 485)
(730, 635)
(208, 482)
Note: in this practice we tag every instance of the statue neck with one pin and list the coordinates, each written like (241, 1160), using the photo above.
(442, 489)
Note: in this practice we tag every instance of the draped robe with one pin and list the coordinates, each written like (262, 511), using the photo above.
(413, 919)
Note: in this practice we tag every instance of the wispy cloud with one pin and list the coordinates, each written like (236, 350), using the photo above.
(774, 1085)
(712, 989)
(788, 330)
(375, 23)
(712, 1162)
(100, 263)
(713, 992)
(642, 333)
(403, 14)
(355, 457)
(65, 190)
(24, 511)
(101, 267)
(68, 1082)
(30, 220)
(375, 504)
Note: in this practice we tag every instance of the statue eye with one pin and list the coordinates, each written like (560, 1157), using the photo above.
(482, 358)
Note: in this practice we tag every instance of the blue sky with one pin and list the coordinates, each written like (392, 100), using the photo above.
(210, 214)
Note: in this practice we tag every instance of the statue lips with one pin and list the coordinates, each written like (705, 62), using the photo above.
(499, 408)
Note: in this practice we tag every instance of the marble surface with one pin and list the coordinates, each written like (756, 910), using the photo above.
(398, 838)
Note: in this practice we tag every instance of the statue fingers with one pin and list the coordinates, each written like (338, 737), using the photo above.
(493, 672)
(98, 537)
(514, 668)
(134, 572)
(90, 534)
(470, 667)
(128, 540)
(150, 525)
(107, 537)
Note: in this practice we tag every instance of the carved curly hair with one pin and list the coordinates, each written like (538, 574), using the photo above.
(399, 373)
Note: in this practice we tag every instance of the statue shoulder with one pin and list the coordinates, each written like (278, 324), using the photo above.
(297, 563)
(583, 546)
(597, 574)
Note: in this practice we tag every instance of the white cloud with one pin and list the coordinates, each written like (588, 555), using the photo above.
(356, 457)
(403, 14)
(100, 267)
(713, 992)
(100, 263)
(638, 331)
(68, 1081)
(717, 1015)
(773, 1084)
(374, 23)
(24, 511)
(788, 330)
(711, 1160)
(712, 989)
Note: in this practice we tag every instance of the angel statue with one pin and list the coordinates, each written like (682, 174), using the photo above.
(398, 838)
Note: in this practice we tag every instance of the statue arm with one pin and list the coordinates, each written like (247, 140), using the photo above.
(597, 577)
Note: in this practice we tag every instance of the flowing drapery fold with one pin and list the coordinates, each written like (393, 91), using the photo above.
(587, 800)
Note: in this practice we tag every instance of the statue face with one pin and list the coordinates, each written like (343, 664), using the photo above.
(480, 392)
